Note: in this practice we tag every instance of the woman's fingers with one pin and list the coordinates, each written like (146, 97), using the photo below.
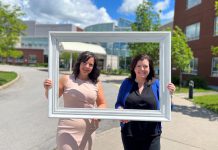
(171, 87)
(124, 121)
(47, 83)
(95, 123)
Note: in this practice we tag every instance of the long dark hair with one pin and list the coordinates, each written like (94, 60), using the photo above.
(83, 57)
(135, 60)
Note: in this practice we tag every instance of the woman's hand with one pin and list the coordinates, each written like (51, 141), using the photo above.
(95, 124)
(171, 87)
(47, 84)
(123, 121)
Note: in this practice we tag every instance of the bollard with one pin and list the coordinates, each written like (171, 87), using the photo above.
(191, 87)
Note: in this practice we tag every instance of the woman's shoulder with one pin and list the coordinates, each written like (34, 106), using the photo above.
(127, 81)
(98, 83)
(64, 78)
(155, 82)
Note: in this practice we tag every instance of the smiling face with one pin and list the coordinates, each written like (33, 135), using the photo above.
(142, 69)
(86, 67)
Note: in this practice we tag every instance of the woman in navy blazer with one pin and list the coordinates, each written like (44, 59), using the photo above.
(141, 91)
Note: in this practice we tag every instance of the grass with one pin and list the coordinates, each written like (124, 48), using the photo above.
(186, 90)
(6, 77)
(208, 101)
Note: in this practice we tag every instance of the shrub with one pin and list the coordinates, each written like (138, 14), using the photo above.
(198, 82)
(175, 80)
(115, 72)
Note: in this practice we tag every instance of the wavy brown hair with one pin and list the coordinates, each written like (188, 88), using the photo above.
(83, 57)
(135, 60)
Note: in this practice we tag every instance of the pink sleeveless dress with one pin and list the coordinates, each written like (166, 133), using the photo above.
(77, 134)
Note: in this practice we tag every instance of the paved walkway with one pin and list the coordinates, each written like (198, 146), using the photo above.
(191, 128)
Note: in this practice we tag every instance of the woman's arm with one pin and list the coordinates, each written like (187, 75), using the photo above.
(101, 102)
(125, 88)
(48, 84)
(62, 81)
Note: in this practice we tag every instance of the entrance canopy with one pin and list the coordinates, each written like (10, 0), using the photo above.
(81, 47)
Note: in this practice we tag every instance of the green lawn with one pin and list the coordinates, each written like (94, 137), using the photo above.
(6, 77)
(208, 101)
(186, 90)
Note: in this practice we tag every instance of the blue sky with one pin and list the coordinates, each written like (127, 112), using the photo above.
(87, 12)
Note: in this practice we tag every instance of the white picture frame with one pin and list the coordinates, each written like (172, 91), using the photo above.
(161, 37)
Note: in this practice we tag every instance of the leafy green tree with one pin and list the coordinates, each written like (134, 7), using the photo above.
(11, 26)
(181, 52)
(214, 50)
(216, 7)
(3, 55)
(65, 56)
(75, 56)
(146, 20)
(15, 54)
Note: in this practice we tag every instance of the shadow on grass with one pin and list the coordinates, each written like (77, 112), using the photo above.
(3, 81)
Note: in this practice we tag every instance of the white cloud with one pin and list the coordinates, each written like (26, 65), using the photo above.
(10, 1)
(167, 16)
(129, 6)
(163, 5)
(78, 12)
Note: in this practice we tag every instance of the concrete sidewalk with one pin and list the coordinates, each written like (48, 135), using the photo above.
(191, 128)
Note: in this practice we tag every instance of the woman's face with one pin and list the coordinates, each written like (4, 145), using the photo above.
(86, 67)
(142, 69)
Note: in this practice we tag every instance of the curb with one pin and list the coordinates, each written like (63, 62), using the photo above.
(10, 83)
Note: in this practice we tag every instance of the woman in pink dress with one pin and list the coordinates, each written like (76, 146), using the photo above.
(82, 89)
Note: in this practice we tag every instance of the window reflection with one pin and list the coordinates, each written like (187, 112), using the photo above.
(193, 67)
(192, 3)
(214, 72)
(216, 26)
(193, 31)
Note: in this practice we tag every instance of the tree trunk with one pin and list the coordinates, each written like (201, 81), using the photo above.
(180, 79)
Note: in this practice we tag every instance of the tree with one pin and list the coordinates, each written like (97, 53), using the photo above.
(181, 52)
(3, 55)
(15, 54)
(11, 26)
(214, 50)
(146, 20)
(216, 7)
(65, 56)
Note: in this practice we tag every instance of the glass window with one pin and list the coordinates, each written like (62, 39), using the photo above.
(32, 59)
(214, 71)
(216, 26)
(193, 31)
(193, 67)
(192, 3)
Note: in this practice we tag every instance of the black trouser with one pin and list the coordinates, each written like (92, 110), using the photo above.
(143, 143)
